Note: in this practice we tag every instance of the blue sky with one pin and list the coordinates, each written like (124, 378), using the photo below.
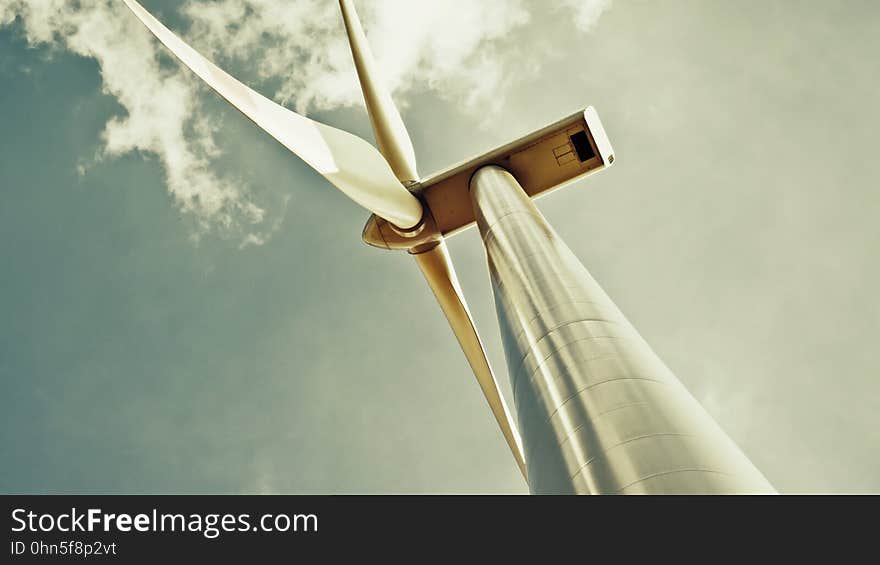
(156, 343)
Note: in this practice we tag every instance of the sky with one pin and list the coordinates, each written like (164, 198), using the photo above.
(188, 308)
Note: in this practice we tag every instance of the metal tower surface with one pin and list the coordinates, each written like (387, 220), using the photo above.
(598, 411)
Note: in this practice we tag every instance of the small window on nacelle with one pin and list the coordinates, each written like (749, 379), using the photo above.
(582, 146)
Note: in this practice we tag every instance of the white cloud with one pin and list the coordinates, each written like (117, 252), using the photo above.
(464, 51)
(587, 12)
(450, 47)
(162, 115)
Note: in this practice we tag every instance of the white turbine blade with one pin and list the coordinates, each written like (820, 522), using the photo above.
(388, 127)
(437, 268)
(349, 162)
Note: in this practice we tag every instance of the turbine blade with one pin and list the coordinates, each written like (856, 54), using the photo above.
(437, 267)
(347, 161)
(388, 126)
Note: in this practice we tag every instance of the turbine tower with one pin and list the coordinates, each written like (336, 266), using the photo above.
(600, 413)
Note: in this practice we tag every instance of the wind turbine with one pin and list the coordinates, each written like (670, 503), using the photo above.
(600, 412)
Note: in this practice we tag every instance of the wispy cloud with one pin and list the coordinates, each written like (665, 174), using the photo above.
(162, 114)
(448, 47)
(586, 12)
(459, 49)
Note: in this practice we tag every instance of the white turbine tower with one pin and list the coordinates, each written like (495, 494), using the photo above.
(599, 411)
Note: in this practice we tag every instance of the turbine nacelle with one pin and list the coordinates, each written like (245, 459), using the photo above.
(542, 161)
